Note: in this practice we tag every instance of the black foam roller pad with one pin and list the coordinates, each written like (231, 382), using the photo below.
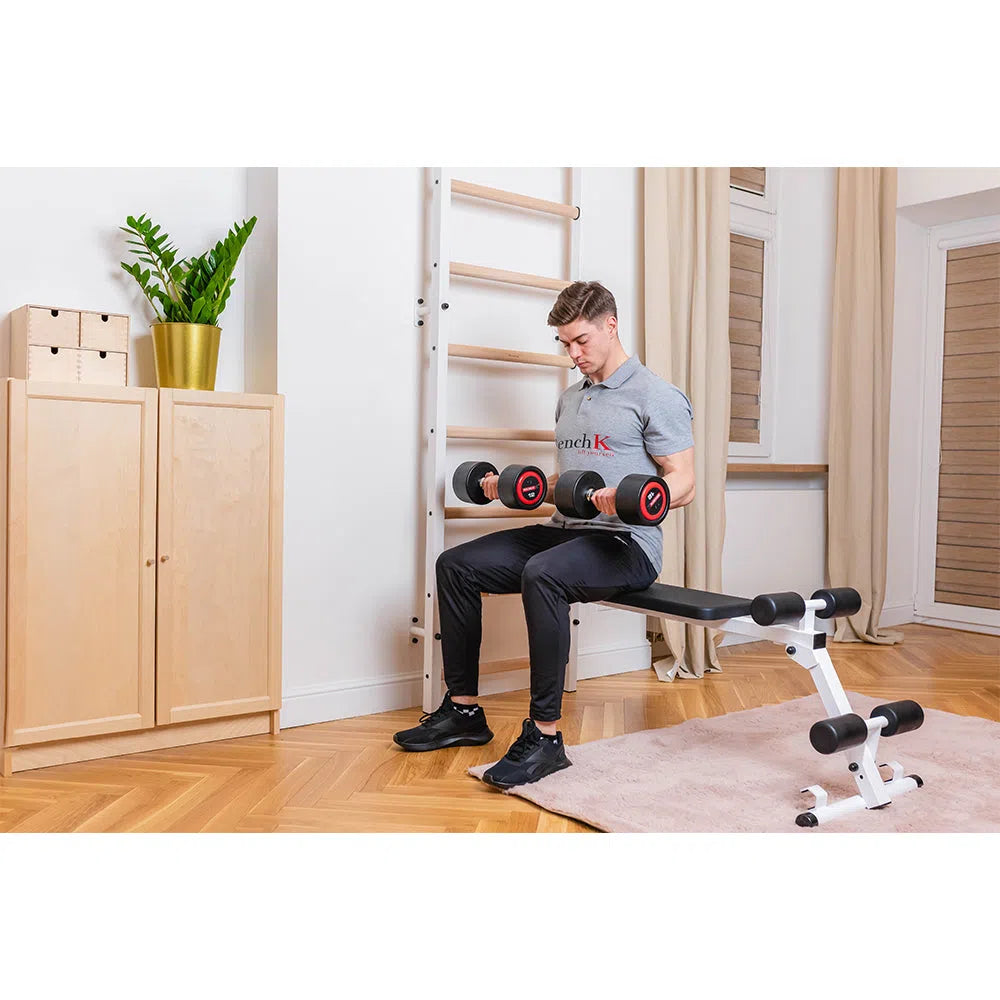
(838, 733)
(840, 602)
(902, 717)
(777, 609)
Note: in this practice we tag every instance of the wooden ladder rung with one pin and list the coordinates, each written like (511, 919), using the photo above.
(511, 198)
(509, 277)
(500, 434)
(768, 468)
(463, 513)
(499, 354)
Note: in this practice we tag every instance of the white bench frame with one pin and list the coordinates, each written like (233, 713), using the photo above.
(805, 645)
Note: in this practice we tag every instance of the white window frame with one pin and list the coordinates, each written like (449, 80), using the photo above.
(766, 202)
(941, 239)
(761, 223)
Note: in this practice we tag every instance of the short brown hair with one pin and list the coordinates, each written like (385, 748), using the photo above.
(588, 300)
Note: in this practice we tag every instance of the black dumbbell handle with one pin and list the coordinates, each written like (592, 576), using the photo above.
(483, 480)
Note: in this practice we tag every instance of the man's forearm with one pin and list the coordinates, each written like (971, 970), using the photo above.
(681, 489)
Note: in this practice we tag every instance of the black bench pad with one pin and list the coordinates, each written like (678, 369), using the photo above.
(698, 604)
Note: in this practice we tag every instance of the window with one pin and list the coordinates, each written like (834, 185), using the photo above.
(750, 179)
(746, 298)
(752, 307)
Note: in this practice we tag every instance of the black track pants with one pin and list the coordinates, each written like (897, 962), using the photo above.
(551, 568)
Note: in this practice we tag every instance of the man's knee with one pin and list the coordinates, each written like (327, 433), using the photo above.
(537, 573)
(447, 563)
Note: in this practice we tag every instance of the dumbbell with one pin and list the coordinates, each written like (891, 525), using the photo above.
(521, 487)
(639, 499)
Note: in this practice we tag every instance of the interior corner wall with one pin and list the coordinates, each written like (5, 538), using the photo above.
(261, 282)
(60, 245)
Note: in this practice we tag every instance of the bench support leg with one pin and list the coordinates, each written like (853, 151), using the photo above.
(862, 759)
(572, 665)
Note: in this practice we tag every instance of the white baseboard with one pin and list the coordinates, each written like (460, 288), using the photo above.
(617, 660)
(961, 626)
(896, 614)
(595, 663)
(506, 680)
(305, 706)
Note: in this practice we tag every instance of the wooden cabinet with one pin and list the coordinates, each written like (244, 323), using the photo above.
(219, 590)
(142, 544)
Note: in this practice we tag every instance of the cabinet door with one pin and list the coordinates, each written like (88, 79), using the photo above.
(81, 525)
(219, 577)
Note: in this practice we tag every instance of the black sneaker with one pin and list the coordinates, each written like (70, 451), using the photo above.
(450, 725)
(532, 756)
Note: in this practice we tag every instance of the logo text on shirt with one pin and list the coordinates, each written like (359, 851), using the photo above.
(599, 444)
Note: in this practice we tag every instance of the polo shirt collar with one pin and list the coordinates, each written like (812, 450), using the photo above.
(624, 371)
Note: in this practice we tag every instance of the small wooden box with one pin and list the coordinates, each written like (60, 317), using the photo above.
(52, 364)
(104, 332)
(69, 345)
(103, 367)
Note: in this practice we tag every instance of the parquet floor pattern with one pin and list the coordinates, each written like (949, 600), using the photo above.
(349, 776)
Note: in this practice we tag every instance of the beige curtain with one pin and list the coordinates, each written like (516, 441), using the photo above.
(860, 371)
(687, 343)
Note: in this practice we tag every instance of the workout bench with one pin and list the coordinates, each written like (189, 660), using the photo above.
(790, 621)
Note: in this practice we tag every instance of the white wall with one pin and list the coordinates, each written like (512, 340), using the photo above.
(60, 245)
(916, 185)
(348, 362)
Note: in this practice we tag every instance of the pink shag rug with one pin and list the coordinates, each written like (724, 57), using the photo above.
(742, 772)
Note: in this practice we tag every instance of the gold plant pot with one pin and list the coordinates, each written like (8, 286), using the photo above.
(186, 355)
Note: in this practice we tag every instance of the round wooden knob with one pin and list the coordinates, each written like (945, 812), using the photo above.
(149, 562)
(164, 558)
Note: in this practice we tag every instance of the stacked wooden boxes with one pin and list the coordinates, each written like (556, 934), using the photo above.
(69, 345)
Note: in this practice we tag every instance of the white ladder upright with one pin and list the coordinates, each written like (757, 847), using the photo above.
(435, 316)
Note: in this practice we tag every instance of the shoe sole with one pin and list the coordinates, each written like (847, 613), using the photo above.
(505, 785)
(451, 741)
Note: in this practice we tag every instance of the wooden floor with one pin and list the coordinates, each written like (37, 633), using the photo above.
(349, 776)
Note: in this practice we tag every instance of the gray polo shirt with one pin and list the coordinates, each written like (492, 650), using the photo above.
(615, 428)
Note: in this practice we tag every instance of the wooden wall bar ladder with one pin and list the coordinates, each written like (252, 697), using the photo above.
(438, 319)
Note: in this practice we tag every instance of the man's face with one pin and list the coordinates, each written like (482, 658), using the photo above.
(589, 343)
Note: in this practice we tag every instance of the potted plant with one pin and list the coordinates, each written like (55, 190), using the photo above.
(188, 297)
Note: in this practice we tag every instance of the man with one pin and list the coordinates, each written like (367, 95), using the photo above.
(619, 419)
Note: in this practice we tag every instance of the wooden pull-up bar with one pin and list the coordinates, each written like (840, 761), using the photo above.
(498, 354)
(508, 277)
(500, 434)
(461, 513)
(520, 200)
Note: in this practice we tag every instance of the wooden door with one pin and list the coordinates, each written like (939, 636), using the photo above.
(219, 569)
(81, 536)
